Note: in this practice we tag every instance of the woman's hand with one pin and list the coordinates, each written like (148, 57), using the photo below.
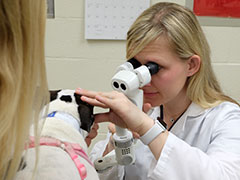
(122, 112)
(110, 145)
(112, 129)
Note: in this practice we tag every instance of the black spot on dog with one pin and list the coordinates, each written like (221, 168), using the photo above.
(53, 94)
(66, 98)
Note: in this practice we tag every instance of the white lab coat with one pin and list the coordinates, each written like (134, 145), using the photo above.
(204, 144)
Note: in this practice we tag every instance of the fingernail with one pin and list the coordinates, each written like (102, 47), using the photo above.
(83, 98)
(78, 90)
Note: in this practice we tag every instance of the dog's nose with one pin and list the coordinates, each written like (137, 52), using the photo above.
(66, 98)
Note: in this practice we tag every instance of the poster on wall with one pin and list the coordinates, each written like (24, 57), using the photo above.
(217, 8)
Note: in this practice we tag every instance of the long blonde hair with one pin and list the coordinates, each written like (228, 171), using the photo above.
(23, 83)
(186, 38)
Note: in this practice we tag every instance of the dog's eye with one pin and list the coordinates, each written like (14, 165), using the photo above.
(66, 98)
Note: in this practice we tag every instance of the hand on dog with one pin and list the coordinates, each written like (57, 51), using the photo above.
(122, 112)
(92, 134)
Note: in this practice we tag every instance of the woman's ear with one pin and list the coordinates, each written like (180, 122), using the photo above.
(194, 63)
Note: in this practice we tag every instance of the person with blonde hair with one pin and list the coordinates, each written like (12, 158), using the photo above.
(201, 138)
(23, 83)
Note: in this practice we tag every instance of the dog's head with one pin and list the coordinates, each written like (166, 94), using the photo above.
(68, 101)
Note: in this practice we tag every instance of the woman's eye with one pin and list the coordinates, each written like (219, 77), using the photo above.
(153, 67)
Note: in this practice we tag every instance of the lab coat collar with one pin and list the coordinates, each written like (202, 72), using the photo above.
(194, 110)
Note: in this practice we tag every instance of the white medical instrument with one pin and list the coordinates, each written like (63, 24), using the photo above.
(129, 78)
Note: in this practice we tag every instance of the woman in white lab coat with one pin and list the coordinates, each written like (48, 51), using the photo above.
(202, 139)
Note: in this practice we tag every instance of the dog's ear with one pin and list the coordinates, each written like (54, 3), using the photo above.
(53, 94)
(78, 99)
(85, 112)
(86, 116)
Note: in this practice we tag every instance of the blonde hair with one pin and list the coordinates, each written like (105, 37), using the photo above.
(186, 38)
(23, 83)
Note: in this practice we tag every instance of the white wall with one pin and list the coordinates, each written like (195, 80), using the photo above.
(75, 62)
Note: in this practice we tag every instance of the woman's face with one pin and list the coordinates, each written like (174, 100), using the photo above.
(168, 86)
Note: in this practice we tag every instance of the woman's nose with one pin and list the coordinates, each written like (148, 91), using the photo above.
(147, 85)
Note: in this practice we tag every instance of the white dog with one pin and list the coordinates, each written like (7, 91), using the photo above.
(62, 146)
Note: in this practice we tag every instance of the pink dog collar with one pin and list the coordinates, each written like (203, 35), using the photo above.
(74, 150)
